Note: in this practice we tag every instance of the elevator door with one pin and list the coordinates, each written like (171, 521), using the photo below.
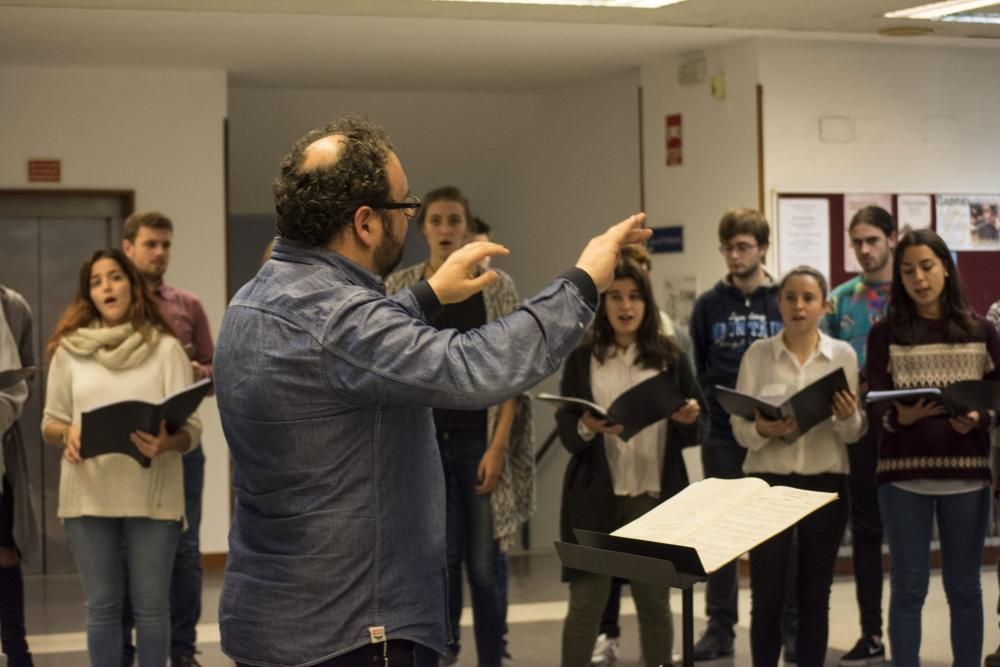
(44, 240)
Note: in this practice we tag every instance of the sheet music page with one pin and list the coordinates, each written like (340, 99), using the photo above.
(723, 519)
(754, 522)
(677, 518)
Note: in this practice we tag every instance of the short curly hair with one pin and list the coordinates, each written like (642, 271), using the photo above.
(314, 206)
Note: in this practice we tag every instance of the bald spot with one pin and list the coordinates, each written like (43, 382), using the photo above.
(323, 152)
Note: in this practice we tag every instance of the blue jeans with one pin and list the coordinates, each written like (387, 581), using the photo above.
(185, 582)
(962, 519)
(96, 544)
(470, 541)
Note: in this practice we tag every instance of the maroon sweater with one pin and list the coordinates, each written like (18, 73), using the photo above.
(929, 448)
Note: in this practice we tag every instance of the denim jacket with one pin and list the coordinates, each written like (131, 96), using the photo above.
(325, 388)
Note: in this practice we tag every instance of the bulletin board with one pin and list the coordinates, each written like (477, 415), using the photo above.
(978, 256)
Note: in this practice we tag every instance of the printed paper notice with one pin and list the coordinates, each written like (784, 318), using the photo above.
(913, 212)
(804, 234)
(679, 294)
(852, 204)
(969, 222)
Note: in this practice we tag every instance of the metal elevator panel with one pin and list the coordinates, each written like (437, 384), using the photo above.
(44, 240)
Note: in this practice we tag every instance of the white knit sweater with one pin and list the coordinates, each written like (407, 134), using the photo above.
(115, 485)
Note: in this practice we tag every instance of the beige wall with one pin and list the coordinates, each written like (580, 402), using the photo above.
(159, 133)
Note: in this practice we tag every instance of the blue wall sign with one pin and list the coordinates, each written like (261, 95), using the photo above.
(666, 239)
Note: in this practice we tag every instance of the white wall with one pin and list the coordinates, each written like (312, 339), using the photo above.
(545, 170)
(159, 133)
(719, 167)
(894, 94)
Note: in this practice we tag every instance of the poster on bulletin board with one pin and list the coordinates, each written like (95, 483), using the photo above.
(969, 222)
(805, 234)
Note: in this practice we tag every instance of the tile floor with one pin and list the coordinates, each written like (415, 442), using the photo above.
(538, 603)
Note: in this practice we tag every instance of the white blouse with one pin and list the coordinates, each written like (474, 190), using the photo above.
(769, 369)
(636, 463)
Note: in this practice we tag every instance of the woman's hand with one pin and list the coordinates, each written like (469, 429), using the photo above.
(773, 428)
(911, 414)
(845, 404)
(71, 445)
(490, 467)
(687, 413)
(600, 425)
(152, 445)
(965, 423)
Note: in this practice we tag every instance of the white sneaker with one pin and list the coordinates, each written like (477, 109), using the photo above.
(605, 651)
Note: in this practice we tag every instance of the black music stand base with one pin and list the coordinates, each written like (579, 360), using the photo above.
(641, 561)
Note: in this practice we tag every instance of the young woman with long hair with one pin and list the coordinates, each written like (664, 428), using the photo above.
(931, 465)
(610, 482)
(814, 461)
(111, 345)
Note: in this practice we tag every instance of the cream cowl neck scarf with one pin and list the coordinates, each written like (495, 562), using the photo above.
(119, 347)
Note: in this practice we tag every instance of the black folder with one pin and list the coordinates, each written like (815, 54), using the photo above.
(646, 403)
(106, 429)
(809, 406)
(958, 399)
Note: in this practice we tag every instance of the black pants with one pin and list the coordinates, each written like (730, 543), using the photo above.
(12, 633)
(393, 653)
(819, 536)
(866, 532)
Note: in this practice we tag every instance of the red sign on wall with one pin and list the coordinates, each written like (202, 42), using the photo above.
(44, 171)
(675, 147)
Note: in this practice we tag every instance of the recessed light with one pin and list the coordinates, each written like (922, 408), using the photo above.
(640, 4)
(938, 10)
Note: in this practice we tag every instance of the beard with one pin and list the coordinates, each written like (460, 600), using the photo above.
(878, 263)
(748, 272)
(389, 253)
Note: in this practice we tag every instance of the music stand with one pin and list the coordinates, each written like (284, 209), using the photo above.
(650, 562)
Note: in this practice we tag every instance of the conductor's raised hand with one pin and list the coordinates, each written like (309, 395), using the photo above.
(457, 279)
(598, 259)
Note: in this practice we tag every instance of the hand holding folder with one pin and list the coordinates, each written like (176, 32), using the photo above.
(108, 429)
(646, 403)
(808, 407)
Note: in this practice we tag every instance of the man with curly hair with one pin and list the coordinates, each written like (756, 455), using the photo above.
(325, 388)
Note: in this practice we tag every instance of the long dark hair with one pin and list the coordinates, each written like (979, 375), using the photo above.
(902, 312)
(143, 312)
(655, 349)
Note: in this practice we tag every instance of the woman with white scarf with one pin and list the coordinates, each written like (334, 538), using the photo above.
(111, 345)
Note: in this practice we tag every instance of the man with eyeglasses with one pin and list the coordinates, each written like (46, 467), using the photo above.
(325, 388)
(727, 319)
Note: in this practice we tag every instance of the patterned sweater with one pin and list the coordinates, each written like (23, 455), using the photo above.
(930, 448)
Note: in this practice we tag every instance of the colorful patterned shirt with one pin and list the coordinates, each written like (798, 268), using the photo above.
(857, 305)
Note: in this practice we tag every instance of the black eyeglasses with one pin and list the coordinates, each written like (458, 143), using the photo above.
(409, 206)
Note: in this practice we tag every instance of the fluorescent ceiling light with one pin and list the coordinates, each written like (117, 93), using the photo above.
(938, 10)
(974, 18)
(643, 4)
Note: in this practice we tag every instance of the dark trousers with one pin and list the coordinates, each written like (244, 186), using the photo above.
(866, 532)
(12, 633)
(471, 544)
(185, 579)
(393, 653)
(815, 554)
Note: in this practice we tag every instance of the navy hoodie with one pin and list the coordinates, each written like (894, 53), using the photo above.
(725, 322)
